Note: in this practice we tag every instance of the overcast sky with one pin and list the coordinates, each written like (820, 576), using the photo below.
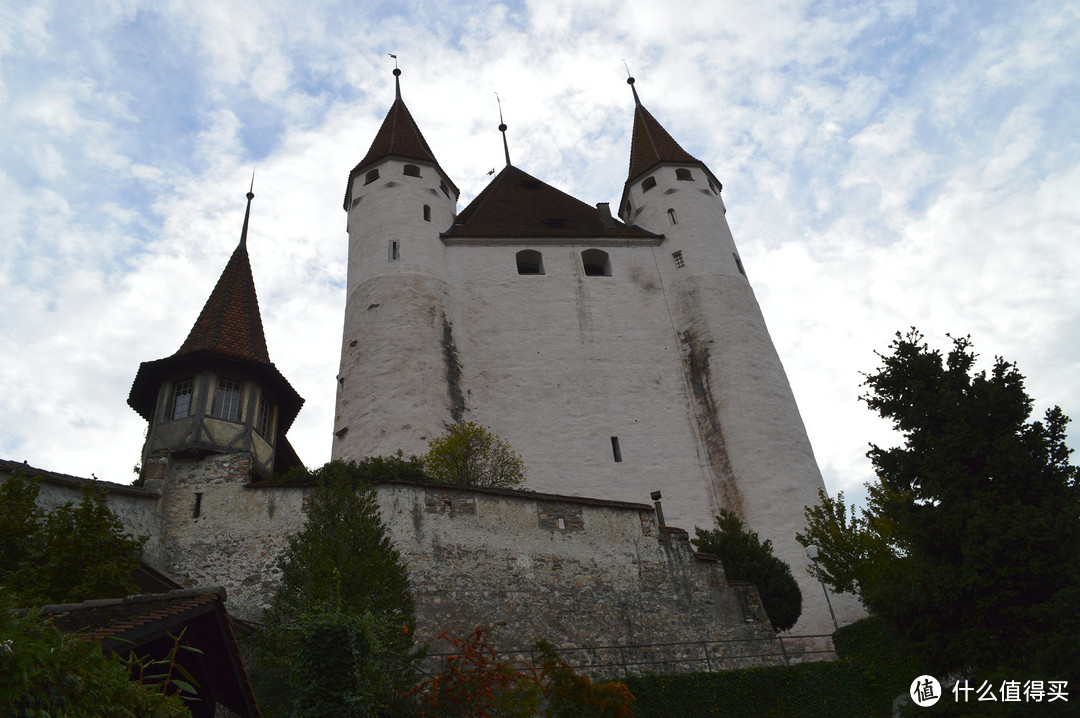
(885, 165)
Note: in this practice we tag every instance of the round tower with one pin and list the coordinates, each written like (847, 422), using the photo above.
(399, 380)
(760, 456)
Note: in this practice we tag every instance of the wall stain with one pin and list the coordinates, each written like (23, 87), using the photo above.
(453, 372)
(698, 373)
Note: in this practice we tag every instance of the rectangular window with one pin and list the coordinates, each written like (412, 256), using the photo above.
(677, 256)
(615, 450)
(180, 403)
(262, 423)
(393, 250)
(227, 400)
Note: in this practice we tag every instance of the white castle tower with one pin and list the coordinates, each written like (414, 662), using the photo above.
(619, 358)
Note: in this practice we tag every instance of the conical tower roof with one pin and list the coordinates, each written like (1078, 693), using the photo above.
(399, 136)
(651, 145)
(229, 331)
(516, 204)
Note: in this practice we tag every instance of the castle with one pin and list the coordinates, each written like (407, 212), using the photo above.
(620, 356)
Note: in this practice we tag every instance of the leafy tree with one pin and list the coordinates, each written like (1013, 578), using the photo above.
(470, 455)
(970, 543)
(344, 588)
(746, 558)
(369, 470)
(70, 554)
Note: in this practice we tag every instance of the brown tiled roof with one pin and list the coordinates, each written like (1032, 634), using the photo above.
(145, 624)
(399, 136)
(230, 322)
(516, 204)
(651, 144)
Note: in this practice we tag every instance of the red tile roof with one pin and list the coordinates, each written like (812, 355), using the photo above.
(516, 204)
(651, 144)
(399, 136)
(230, 322)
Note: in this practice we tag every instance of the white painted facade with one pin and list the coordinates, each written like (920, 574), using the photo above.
(669, 356)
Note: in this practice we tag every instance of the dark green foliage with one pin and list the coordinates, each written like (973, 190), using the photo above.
(71, 554)
(341, 575)
(746, 558)
(978, 513)
(368, 470)
(44, 672)
(873, 670)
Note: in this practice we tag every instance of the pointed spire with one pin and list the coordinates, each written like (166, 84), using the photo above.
(230, 322)
(502, 129)
(630, 81)
(651, 143)
(397, 78)
(247, 212)
(398, 136)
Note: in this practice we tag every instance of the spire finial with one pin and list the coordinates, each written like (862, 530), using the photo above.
(247, 212)
(502, 129)
(397, 77)
(630, 81)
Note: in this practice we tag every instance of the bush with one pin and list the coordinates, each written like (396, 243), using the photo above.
(470, 455)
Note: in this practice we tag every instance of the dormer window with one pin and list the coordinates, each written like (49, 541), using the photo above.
(648, 183)
(444, 188)
(529, 261)
(227, 400)
(180, 401)
(412, 171)
(371, 176)
(596, 263)
(684, 174)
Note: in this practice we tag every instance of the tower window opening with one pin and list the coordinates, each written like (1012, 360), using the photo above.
(427, 212)
(648, 183)
(444, 188)
(714, 188)
(738, 263)
(529, 261)
(615, 450)
(262, 421)
(672, 217)
(412, 171)
(371, 176)
(227, 400)
(684, 174)
(596, 263)
(180, 402)
(677, 258)
(197, 508)
(393, 251)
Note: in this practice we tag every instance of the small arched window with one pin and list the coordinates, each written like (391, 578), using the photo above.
(672, 217)
(648, 183)
(683, 174)
(529, 261)
(412, 170)
(596, 263)
(427, 212)
(371, 176)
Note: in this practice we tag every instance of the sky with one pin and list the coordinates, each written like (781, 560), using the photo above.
(886, 165)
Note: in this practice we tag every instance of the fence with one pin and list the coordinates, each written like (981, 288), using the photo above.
(687, 656)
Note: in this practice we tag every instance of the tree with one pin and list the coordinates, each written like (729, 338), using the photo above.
(470, 455)
(746, 558)
(343, 611)
(70, 554)
(970, 544)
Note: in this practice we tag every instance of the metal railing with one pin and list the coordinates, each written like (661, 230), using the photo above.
(683, 656)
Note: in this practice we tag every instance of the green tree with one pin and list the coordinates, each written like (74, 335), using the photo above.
(470, 455)
(970, 543)
(746, 558)
(343, 607)
(73, 553)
